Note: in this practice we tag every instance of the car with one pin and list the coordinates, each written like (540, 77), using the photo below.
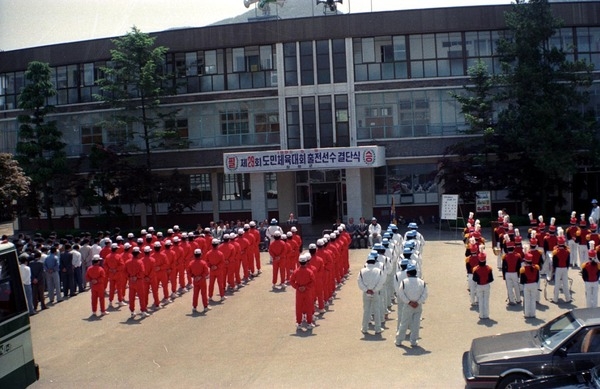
(587, 379)
(570, 343)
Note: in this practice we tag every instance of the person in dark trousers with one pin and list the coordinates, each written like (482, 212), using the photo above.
(38, 281)
(67, 272)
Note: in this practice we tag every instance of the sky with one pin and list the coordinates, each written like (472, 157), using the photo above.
(32, 23)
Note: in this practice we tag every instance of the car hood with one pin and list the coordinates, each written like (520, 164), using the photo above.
(506, 346)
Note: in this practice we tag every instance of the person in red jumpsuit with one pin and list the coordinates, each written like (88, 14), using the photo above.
(172, 269)
(243, 243)
(126, 256)
(135, 271)
(198, 270)
(292, 255)
(255, 252)
(193, 246)
(215, 260)
(318, 268)
(96, 276)
(277, 251)
(150, 281)
(228, 250)
(303, 280)
(180, 265)
(113, 267)
(161, 265)
(250, 250)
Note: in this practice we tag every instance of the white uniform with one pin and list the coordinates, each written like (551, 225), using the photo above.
(412, 289)
(371, 279)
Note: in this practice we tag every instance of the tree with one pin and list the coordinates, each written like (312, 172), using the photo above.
(542, 132)
(134, 83)
(469, 165)
(40, 150)
(14, 185)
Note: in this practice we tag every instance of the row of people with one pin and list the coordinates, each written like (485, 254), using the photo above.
(393, 274)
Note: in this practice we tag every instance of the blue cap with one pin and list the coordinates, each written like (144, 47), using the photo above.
(411, 267)
(372, 256)
(407, 250)
(594, 201)
(385, 242)
(413, 225)
(404, 262)
(411, 234)
(387, 234)
(378, 246)
(393, 227)
(410, 244)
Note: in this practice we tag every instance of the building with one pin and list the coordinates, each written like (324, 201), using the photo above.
(371, 88)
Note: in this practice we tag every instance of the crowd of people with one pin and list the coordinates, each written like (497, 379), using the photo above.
(146, 265)
(545, 253)
(393, 275)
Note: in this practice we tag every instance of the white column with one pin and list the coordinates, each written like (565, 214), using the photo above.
(259, 196)
(356, 195)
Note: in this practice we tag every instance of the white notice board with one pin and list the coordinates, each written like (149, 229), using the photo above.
(449, 208)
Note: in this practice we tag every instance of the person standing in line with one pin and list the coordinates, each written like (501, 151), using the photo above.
(483, 276)
(97, 278)
(77, 269)
(303, 280)
(38, 281)
(561, 260)
(595, 213)
(413, 293)
(67, 271)
(113, 269)
(216, 262)
(135, 271)
(529, 276)
(255, 247)
(511, 263)
(86, 259)
(370, 281)
(198, 270)
(26, 279)
(150, 280)
(589, 272)
(52, 269)
(277, 251)
(582, 245)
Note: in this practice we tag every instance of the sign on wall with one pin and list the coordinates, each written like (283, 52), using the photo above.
(483, 201)
(449, 207)
(304, 159)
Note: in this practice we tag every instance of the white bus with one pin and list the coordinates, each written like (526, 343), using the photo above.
(17, 367)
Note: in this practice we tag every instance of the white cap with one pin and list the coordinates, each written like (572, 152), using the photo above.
(127, 246)
(107, 240)
(119, 237)
(320, 242)
(168, 242)
(294, 229)
(96, 257)
(170, 231)
(240, 231)
(159, 233)
(197, 251)
(175, 227)
(148, 236)
(130, 235)
(147, 249)
(312, 246)
(150, 229)
(114, 246)
(176, 239)
(289, 234)
(215, 241)
(304, 257)
(143, 232)
(184, 235)
(277, 233)
(252, 223)
(157, 244)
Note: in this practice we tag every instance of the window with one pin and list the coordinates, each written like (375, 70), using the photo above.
(325, 122)
(290, 64)
(339, 60)
(90, 136)
(234, 187)
(309, 123)
(407, 183)
(266, 122)
(307, 76)
(176, 133)
(271, 185)
(234, 122)
(323, 73)
(201, 183)
(293, 123)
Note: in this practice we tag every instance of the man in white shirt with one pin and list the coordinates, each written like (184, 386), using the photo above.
(371, 280)
(413, 293)
(374, 232)
(26, 279)
(595, 214)
(78, 268)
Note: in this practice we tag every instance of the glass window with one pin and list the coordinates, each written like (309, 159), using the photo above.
(90, 136)
(271, 185)
(293, 123)
(234, 187)
(339, 60)
(290, 64)
(234, 122)
(309, 123)
(201, 184)
(307, 76)
(325, 122)
(266, 58)
(342, 126)
(368, 50)
(210, 62)
(323, 74)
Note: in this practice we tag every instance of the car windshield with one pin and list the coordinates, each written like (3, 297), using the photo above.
(595, 377)
(553, 333)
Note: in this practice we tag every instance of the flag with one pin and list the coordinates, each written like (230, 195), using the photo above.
(393, 211)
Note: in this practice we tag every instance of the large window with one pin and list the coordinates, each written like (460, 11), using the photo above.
(380, 58)
(200, 183)
(588, 45)
(90, 136)
(290, 64)
(408, 184)
(307, 67)
(234, 191)
(234, 122)
(293, 123)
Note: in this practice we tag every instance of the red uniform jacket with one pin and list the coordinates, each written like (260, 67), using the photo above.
(589, 271)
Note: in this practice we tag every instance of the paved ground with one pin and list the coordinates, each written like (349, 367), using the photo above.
(251, 340)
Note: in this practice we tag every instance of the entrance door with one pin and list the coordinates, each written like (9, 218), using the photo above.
(325, 202)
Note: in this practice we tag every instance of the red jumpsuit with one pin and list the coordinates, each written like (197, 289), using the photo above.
(172, 269)
(228, 250)
(292, 257)
(250, 251)
(161, 265)
(318, 268)
(215, 260)
(96, 276)
(303, 280)
(237, 263)
(113, 267)
(256, 247)
(180, 262)
(198, 270)
(135, 272)
(150, 280)
(243, 242)
(277, 251)
(328, 280)
(124, 258)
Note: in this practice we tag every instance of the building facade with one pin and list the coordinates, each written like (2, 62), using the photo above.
(339, 84)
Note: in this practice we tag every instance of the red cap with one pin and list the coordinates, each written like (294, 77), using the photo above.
(482, 257)
(561, 240)
(552, 228)
(528, 257)
(533, 241)
(582, 223)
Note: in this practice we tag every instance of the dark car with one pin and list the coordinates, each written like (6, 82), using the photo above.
(568, 344)
(587, 379)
